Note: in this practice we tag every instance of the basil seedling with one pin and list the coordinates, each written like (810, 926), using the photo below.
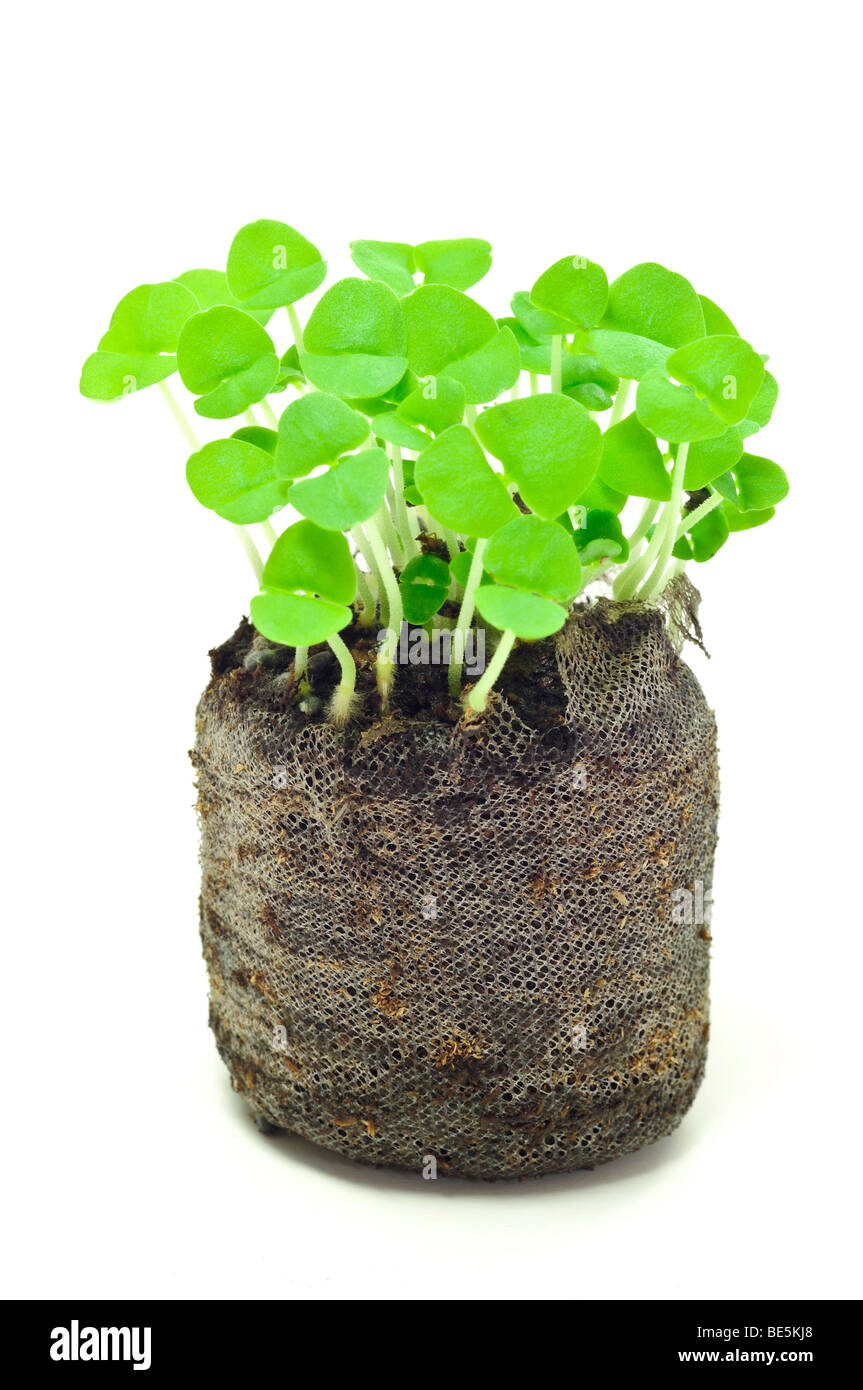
(422, 495)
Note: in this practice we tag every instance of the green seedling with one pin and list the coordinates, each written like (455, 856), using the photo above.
(446, 466)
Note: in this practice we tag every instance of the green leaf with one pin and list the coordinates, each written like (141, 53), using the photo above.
(725, 484)
(355, 339)
(761, 408)
(599, 496)
(590, 395)
(210, 287)
(270, 264)
(710, 458)
(724, 369)
(258, 435)
(308, 559)
(627, 354)
(715, 321)
(228, 359)
(393, 262)
(527, 615)
(317, 429)
(632, 461)
(237, 480)
(760, 483)
(459, 263)
(107, 376)
(585, 369)
(574, 289)
(655, 303)
(148, 320)
(138, 349)
(444, 326)
(459, 487)
(390, 426)
(424, 585)
(435, 404)
(349, 493)
(296, 620)
(535, 555)
(533, 356)
(601, 538)
(459, 566)
(674, 412)
(538, 323)
(745, 521)
(489, 371)
(549, 444)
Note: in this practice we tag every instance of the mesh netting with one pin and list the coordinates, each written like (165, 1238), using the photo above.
(466, 941)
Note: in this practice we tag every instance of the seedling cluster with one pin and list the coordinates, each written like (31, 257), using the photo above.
(422, 496)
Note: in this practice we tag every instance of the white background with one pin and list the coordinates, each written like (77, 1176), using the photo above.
(720, 140)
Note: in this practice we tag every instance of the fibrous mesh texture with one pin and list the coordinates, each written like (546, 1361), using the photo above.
(467, 942)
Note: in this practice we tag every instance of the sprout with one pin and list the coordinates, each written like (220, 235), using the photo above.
(623, 456)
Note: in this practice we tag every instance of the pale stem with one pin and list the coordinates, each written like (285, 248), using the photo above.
(194, 444)
(556, 362)
(402, 520)
(479, 695)
(698, 514)
(534, 384)
(249, 417)
(367, 598)
(386, 656)
(617, 410)
(179, 416)
(269, 531)
(346, 662)
(301, 660)
(667, 526)
(269, 415)
(645, 521)
(465, 618)
(390, 534)
(295, 327)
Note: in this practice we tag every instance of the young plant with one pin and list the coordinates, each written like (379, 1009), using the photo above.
(422, 496)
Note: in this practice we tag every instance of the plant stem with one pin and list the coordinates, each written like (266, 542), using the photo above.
(301, 660)
(269, 414)
(295, 327)
(367, 598)
(698, 514)
(342, 700)
(556, 362)
(194, 444)
(617, 410)
(390, 535)
(534, 384)
(479, 695)
(178, 413)
(667, 526)
(251, 550)
(249, 417)
(644, 523)
(363, 545)
(386, 656)
(409, 545)
(465, 618)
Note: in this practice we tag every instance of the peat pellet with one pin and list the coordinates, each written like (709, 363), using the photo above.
(478, 946)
